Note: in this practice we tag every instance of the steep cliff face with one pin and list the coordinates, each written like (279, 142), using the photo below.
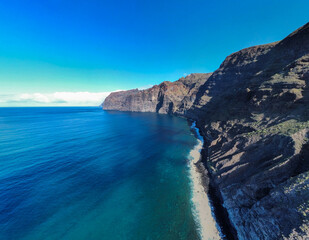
(254, 113)
(167, 97)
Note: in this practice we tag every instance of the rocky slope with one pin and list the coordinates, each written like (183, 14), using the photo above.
(254, 113)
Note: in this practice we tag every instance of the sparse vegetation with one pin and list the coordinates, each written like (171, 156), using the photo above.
(287, 128)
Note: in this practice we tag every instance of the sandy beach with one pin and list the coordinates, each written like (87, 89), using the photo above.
(201, 206)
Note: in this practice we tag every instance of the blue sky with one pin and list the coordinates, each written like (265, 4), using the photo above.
(66, 46)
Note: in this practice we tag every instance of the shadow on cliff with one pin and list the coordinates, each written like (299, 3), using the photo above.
(234, 95)
(233, 91)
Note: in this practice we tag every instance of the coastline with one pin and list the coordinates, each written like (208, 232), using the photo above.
(220, 214)
(202, 208)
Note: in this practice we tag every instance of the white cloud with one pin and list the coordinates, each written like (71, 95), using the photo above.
(54, 99)
(145, 87)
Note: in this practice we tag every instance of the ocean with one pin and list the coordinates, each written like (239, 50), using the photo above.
(84, 173)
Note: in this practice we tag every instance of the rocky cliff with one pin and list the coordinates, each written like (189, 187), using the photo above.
(167, 97)
(254, 113)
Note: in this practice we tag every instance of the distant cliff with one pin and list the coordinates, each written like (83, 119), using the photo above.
(167, 97)
(254, 113)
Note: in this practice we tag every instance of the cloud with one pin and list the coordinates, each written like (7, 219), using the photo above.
(145, 87)
(54, 99)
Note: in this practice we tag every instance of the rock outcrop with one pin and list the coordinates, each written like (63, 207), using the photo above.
(254, 113)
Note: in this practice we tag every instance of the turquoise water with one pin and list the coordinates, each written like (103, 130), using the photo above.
(84, 173)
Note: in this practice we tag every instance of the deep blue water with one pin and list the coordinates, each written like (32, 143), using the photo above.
(84, 173)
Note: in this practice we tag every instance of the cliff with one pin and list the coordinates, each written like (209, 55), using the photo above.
(167, 97)
(254, 113)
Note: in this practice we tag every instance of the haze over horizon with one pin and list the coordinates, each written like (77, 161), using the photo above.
(74, 53)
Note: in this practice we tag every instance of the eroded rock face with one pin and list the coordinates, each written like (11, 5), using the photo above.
(254, 113)
(167, 97)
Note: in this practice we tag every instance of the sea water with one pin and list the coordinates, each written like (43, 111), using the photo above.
(84, 173)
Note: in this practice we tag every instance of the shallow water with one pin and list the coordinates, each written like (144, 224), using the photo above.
(84, 173)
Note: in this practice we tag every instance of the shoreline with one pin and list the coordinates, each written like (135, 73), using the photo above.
(221, 216)
(203, 211)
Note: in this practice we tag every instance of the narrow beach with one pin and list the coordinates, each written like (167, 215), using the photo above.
(201, 206)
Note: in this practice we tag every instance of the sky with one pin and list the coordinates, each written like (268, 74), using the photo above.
(75, 52)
